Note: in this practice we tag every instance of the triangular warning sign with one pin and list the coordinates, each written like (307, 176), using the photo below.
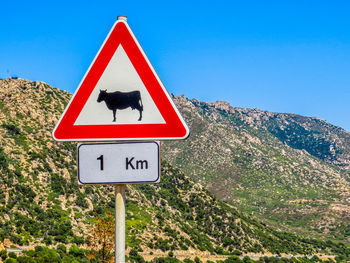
(120, 97)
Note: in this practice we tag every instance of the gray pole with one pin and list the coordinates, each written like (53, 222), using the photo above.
(120, 223)
(120, 214)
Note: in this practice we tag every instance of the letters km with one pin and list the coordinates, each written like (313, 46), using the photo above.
(135, 165)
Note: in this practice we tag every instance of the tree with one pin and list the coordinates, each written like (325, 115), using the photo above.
(232, 259)
(10, 260)
(102, 237)
(135, 257)
(3, 254)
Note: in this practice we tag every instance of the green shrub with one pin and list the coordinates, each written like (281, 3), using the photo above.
(12, 255)
(232, 259)
(3, 254)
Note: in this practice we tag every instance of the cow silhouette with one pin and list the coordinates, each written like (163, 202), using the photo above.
(121, 100)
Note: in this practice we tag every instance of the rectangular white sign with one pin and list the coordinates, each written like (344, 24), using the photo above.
(119, 163)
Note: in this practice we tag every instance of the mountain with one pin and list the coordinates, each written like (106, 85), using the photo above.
(42, 203)
(290, 170)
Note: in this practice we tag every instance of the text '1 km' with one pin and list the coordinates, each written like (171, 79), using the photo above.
(130, 163)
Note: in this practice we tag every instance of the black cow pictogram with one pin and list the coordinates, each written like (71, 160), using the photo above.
(121, 100)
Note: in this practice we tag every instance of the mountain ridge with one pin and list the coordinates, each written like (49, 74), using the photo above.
(42, 202)
(259, 162)
(256, 116)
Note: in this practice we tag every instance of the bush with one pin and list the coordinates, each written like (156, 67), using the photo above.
(247, 259)
(3, 254)
(76, 251)
(61, 249)
(232, 259)
(25, 259)
(135, 257)
(39, 249)
(12, 255)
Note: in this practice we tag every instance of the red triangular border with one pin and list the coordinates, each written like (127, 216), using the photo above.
(174, 126)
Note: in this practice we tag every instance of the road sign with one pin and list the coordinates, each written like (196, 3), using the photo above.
(119, 163)
(120, 97)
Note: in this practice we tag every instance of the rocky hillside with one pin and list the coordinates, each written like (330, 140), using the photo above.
(41, 202)
(289, 169)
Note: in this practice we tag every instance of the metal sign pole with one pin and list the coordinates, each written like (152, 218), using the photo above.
(120, 223)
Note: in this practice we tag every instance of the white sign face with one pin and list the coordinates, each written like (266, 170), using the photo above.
(120, 76)
(119, 163)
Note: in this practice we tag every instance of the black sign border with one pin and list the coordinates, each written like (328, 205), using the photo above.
(157, 181)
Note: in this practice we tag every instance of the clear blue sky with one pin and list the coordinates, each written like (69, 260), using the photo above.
(281, 56)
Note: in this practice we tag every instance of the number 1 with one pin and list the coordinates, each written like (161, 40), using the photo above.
(101, 162)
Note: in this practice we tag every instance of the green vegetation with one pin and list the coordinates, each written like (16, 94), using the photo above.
(214, 226)
(40, 200)
(44, 254)
(296, 136)
(285, 169)
(61, 254)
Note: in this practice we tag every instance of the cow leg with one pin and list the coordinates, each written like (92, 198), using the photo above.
(114, 112)
(140, 118)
